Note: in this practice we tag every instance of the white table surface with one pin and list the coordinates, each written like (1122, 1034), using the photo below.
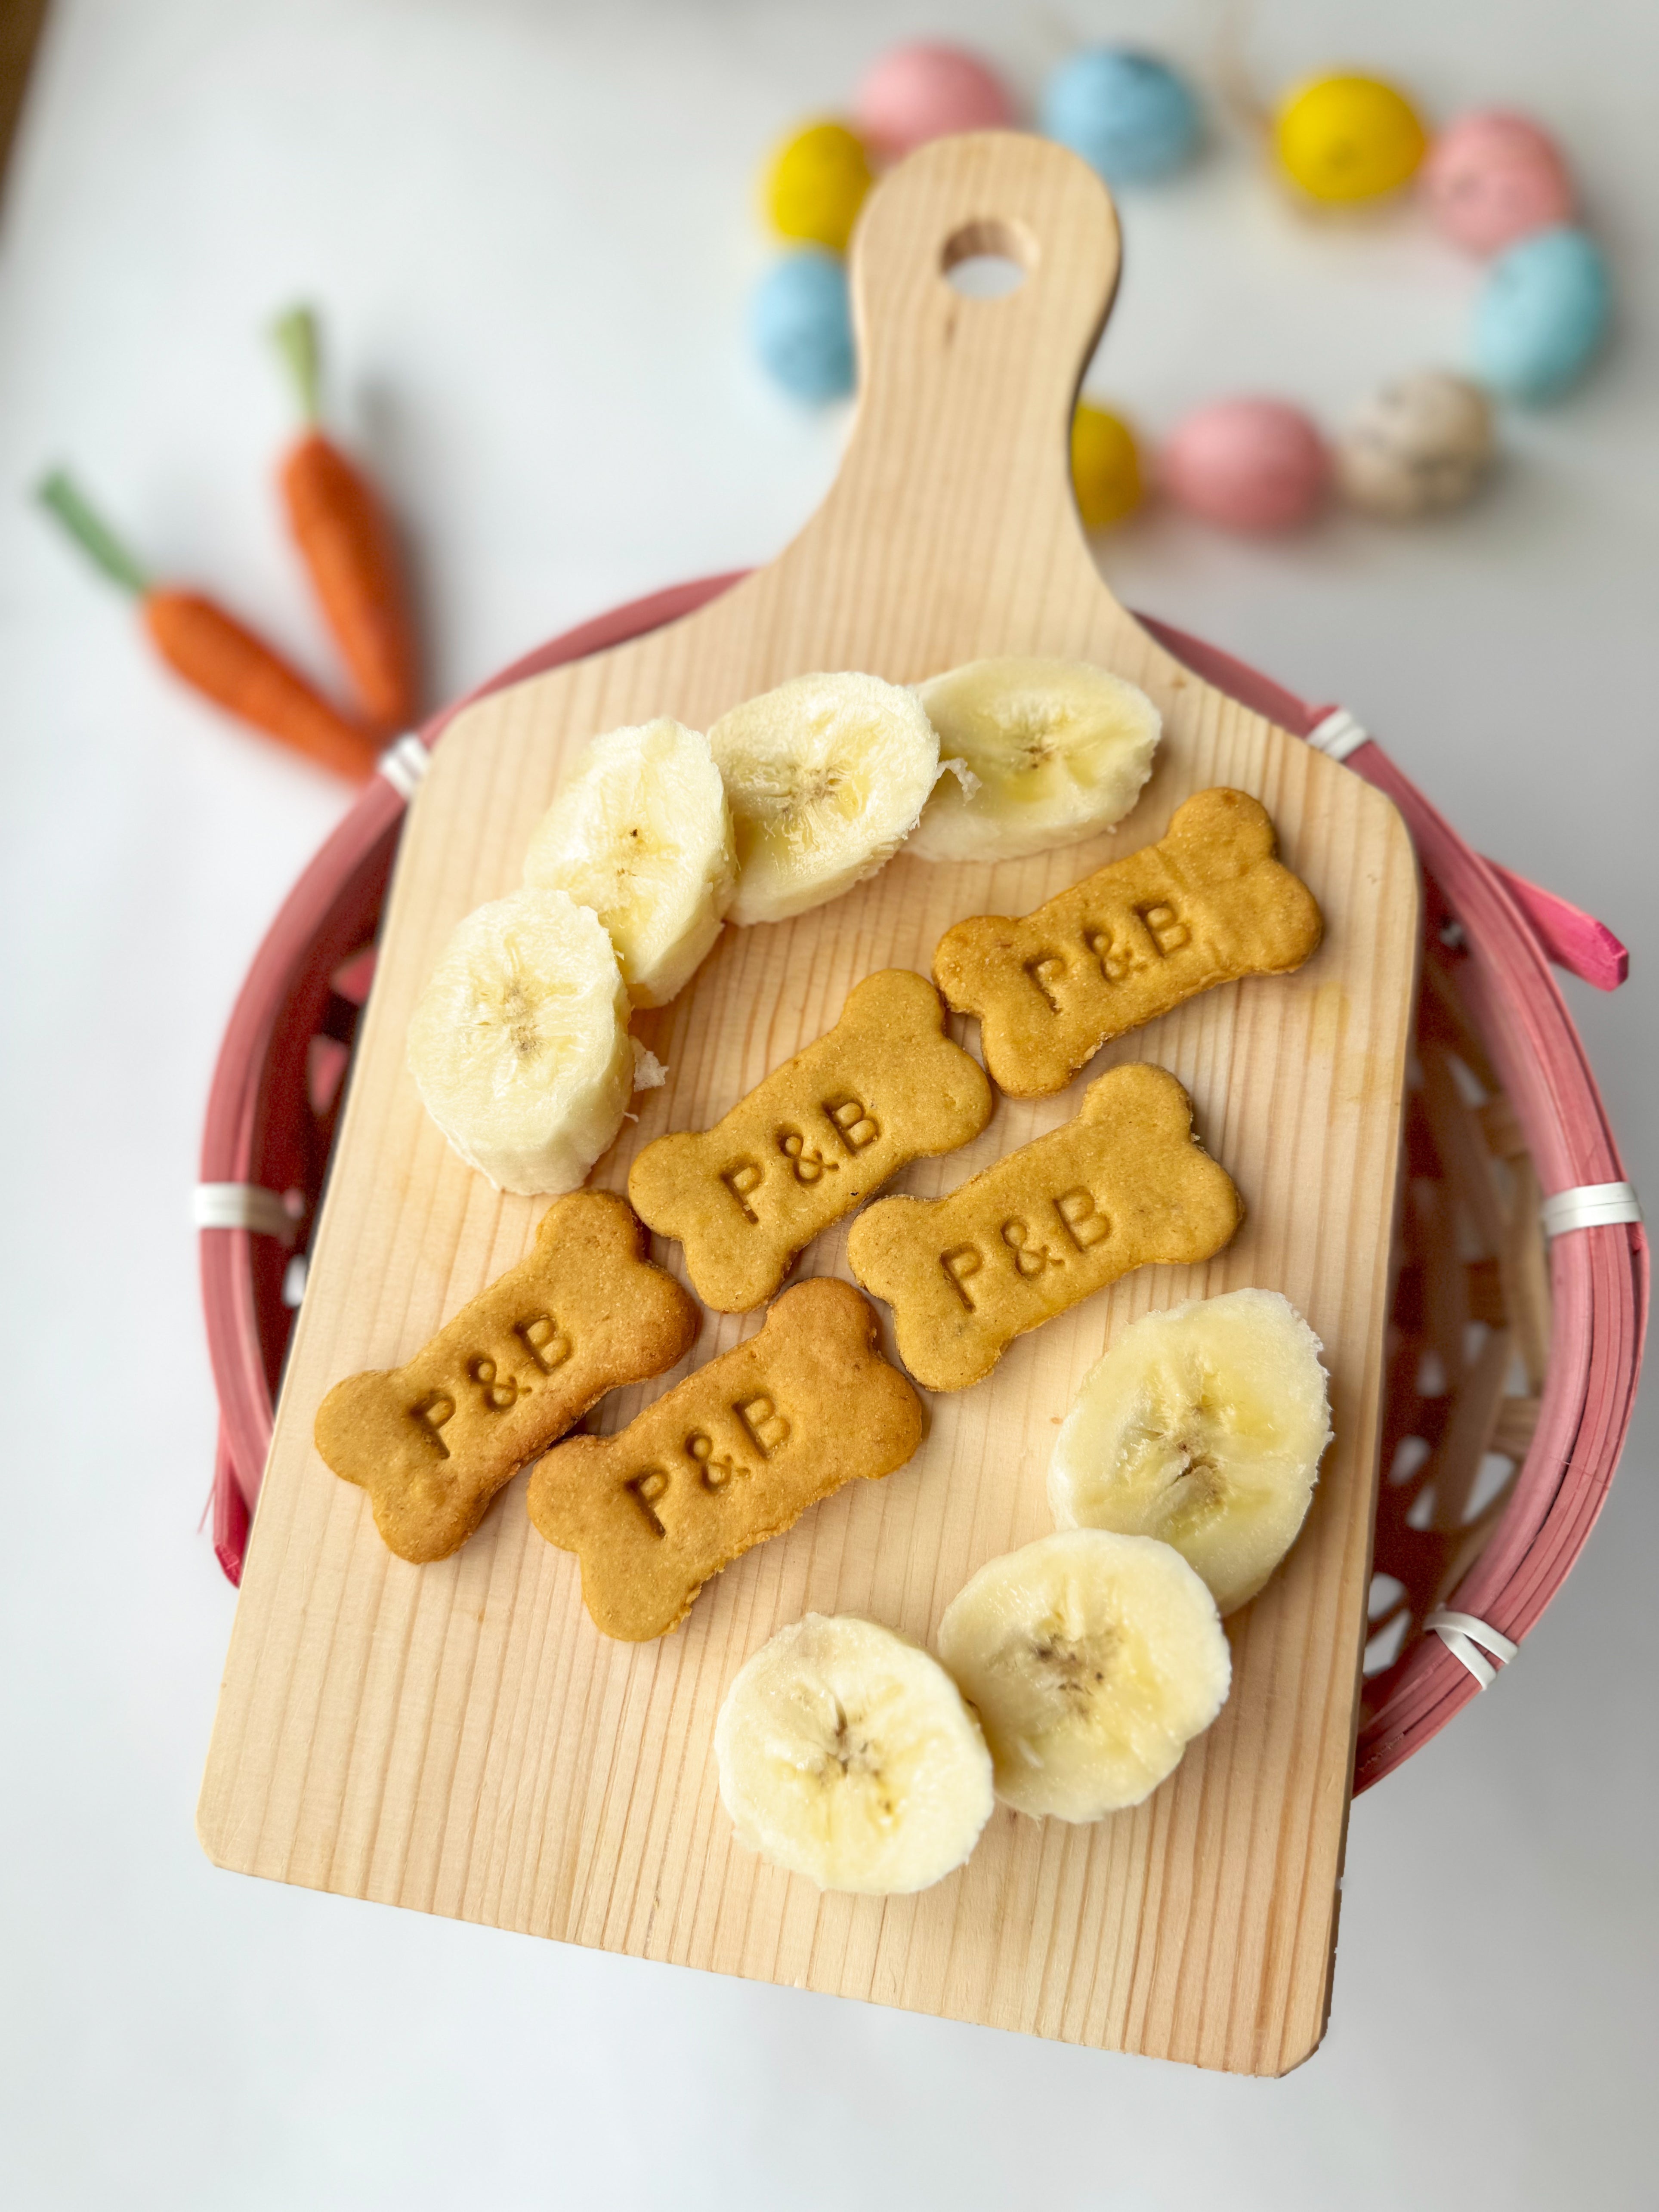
(529, 226)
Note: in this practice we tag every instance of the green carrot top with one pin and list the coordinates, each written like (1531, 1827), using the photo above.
(297, 342)
(58, 493)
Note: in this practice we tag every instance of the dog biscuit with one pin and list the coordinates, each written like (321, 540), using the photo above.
(1123, 1184)
(732, 1456)
(812, 1141)
(432, 1441)
(1206, 904)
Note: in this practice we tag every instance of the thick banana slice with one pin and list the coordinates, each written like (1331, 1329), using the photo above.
(1204, 1427)
(1055, 750)
(846, 1755)
(1092, 1660)
(826, 776)
(641, 832)
(519, 1046)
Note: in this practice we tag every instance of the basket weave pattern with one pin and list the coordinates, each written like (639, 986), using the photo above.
(1513, 1371)
(1470, 1329)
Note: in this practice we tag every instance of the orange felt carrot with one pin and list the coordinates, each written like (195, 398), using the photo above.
(346, 540)
(213, 651)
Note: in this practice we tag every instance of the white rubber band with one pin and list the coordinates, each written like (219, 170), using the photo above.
(1590, 1205)
(1337, 735)
(403, 764)
(243, 1205)
(1461, 1632)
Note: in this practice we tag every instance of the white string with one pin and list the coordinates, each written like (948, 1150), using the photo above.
(1590, 1205)
(243, 1205)
(1337, 735)
(1461, 1632)
(403, 764)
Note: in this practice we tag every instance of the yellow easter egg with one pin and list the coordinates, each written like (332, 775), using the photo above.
(1105, 467)
(816, 185)
(1348, 137)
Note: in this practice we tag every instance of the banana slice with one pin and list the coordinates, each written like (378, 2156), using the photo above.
(1055, 749)
(826, 777)
(846, 1755)
(1203, 1425)
(519, 1046)
(641, 832)
(1092, 1661)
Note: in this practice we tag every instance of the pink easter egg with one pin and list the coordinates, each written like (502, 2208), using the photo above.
(1250, 465)
(1492, 178)
(924, 91)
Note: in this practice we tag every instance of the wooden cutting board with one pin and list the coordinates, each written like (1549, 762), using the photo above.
(458, 1737)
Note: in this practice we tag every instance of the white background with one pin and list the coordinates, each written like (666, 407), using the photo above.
(530, 226)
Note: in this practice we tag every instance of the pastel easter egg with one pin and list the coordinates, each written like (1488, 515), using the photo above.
(1250, 465)
(1106, 472)
(1129, 115)
(1418, 447)
(916, 93)
(800, 323)
(815, 185)
(1542, 314)
(1347, 138)
(1492, 178)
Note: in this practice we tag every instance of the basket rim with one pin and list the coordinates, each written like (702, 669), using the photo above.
(1600, 1279)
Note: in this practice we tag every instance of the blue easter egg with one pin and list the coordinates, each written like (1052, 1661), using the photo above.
(1129, 116)
(1542, 314)
(800, 321)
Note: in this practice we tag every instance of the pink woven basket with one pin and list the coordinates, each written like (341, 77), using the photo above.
(1513, 1363)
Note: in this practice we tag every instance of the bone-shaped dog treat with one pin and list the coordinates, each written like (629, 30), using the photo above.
(432, 1442)
(1124, 1184)
(811, 1142)
(1205, 905)
(732, 1456)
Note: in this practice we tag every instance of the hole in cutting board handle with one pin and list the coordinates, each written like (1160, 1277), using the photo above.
(988, 260)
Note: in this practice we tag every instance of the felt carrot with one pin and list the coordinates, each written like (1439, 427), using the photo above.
(215, 654)
(346, 540)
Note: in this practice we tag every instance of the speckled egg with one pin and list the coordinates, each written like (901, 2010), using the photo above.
(1493, 177)
(924, 91)
(1127, 114)
(800, 323)
(1250, 465)
(1347, 138)
(1105, 466)
(815, 185)
(1418, 446)
(1542, 314)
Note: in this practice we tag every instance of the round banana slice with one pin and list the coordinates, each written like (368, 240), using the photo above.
(846, 1755)
(826, 777)
(519, 1045)
(1092, 1661)
(641, 832)
(1055, 751)
(1204, 1427)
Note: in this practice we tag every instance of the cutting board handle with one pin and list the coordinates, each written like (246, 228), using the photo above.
(962, 443)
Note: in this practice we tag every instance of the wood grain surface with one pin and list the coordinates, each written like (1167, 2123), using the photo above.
(20, 24)
(457, 1737)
